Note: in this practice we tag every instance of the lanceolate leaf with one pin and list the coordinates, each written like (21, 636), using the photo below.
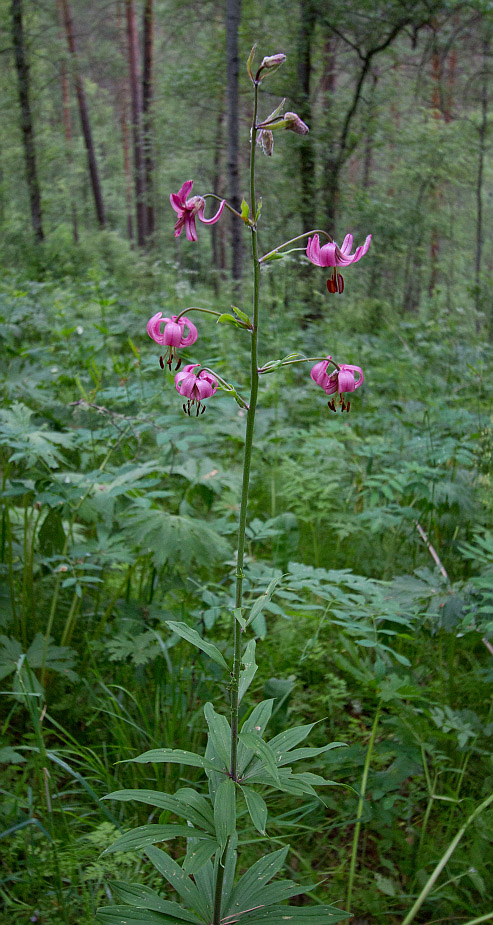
(249, 671)
(145, 835)
(256, 807)
(264, 599)
(126, 915)
(220, 733)
(261, 748)
(174, 756)
(178, 880)
(256, 722)
(168, 802)
(192, 636)
(249, 888)
(198, 853)
(136, 894)
(297, 915)
(225, 811)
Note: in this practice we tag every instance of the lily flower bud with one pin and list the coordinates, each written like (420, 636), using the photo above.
(269, 63)
(295, 124)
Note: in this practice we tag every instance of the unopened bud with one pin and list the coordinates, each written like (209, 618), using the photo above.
(295, 124)
(269, 63)
(273, 60)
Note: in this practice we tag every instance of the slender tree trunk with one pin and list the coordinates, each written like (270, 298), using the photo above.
(483, 128)
(84, 116)
(306, 151)
(217, 231)
(123, 97)
(136, 101)
(127, 167)
(22, 68)
(148, 31)
(67, 124)
(437, 106)
(233, 14)
(369, 135)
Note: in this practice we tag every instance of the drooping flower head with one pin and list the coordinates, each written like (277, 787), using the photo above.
(173, 336)
(190, 209)
(341, 380)
(195, 387)
(330, 255)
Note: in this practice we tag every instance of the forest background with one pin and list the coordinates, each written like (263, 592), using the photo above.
(118, 513)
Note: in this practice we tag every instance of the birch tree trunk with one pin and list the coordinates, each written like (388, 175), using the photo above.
(22, 68)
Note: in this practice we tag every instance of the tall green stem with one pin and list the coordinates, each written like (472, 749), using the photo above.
(359, 814)
(247, 454)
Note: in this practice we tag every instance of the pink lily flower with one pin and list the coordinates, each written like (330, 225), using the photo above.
(330, 255)
(341, 381)
(195, 386)
(190, 209)
(173, 336)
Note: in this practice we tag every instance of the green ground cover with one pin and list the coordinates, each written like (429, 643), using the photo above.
(119, 512)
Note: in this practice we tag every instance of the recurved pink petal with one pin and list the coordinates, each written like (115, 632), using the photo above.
(347, 244)
(215, 218)
(190, 229)
(191, 337)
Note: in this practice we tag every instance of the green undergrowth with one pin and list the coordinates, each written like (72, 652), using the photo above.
(120, 513)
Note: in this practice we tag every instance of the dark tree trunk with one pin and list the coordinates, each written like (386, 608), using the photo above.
(67, 125)
(233, 14)
(147, 115)
(136, 101)
(127, 167)
(217, 231)
(306, 151)
(22, 68)
(369, 136)
(84, 116)
(483, 127)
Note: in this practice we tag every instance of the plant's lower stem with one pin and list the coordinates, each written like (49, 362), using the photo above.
(246, 461)
(359, 814)
(219, 886)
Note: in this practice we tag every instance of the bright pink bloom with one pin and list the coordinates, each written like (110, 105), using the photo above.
(341, 380)
(173, 336)
(330, 255)
(190, 209)
(195, 386)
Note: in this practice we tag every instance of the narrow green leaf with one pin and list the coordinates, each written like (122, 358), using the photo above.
(172, 803)
(301, 753)
(237, 615)
(178, 880)
(257, 808)
(263, 750)
(220, 733)
(145, 835)
(225, 811)
(192, 636)
(136, 894)
(298, 915)
(257, 721)
(248, 673)
(174, 756)
(125, 915)
(198, 853)
(252, 884)
(198, 802)
(264, 599)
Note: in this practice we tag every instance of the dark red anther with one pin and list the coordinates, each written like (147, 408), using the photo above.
(184, 407)
(178, 365)
(202, 411)
(348, 406)
(340, 282)
(161, 362)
